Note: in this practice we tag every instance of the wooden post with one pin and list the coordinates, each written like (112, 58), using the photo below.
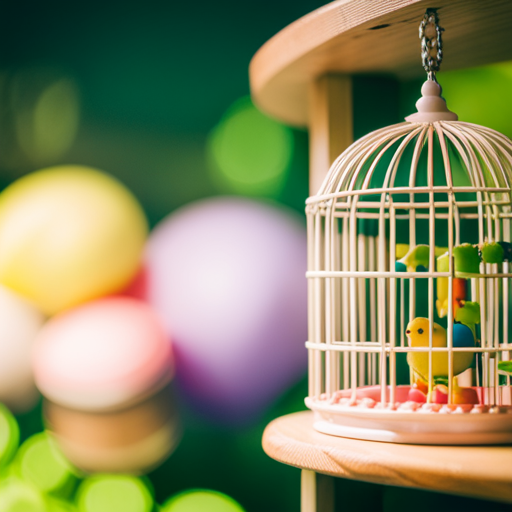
(330, 124)
(317, 492)
(330, 133)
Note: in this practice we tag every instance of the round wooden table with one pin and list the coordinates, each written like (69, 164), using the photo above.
(477, 471)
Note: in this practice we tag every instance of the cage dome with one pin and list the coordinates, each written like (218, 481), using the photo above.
(409, 267)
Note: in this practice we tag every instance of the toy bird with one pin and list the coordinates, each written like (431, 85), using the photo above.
(468, 314)
(418, 332)
(414, 259)
(466, 258)
(417, 256)
(505, 367)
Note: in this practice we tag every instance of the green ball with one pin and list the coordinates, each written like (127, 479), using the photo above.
(201, 500)
(9, 436)
(40, 462)
(114, 493)
(19, 496)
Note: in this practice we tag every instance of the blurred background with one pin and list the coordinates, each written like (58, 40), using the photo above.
(156, 94)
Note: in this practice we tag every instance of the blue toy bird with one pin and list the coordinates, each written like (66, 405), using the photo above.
(463, 336)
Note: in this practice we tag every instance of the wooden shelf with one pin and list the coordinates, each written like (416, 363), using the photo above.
(481, 472)
(368, 36)
(302, 76)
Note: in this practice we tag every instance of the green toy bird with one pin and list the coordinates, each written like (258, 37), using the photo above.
(418, 334)
(416, 256)
(505, 367)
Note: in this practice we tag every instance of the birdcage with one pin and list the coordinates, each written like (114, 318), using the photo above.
(409, 273)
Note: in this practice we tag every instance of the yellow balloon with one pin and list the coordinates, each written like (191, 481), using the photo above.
(69, 234)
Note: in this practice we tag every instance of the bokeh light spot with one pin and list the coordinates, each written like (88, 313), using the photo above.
(201, 501)
(47, 131)
(248, 152)
(9, 435)
(18, 496)
(481, 95)
(43, 465)
(114, 493)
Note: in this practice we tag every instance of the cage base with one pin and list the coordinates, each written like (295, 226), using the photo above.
(401, 423)
(449, 435)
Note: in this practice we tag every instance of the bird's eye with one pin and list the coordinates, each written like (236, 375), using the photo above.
(420, 331)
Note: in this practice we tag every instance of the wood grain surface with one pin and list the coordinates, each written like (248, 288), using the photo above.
(483, 472)
(369, 36)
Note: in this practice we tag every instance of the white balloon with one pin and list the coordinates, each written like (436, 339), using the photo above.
(20, 321)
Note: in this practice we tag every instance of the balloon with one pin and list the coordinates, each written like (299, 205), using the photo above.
(102, 355)
(9, 436)
(227, 277)
(40, 463)
(201, 500)
(114, 493)
(17, 495)
(20, 321)
(69, 234)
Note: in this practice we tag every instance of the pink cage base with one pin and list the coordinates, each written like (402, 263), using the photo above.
(365, 417)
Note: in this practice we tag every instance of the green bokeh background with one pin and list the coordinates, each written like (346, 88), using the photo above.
(152, 81)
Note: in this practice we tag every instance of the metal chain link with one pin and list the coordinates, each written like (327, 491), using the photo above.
(431, 43)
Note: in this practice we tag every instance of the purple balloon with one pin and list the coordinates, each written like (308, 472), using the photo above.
(227, 277)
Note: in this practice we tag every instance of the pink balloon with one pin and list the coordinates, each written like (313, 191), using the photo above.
(102, 355)
(227, 277)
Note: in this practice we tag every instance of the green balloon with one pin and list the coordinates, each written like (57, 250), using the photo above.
(40, 462)
(201, 500)
(9, 436)
(114, 493)
(19, 496)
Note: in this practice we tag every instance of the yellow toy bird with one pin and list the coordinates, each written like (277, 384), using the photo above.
(418, 333)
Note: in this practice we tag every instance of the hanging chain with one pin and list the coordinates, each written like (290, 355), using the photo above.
(431, 43)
